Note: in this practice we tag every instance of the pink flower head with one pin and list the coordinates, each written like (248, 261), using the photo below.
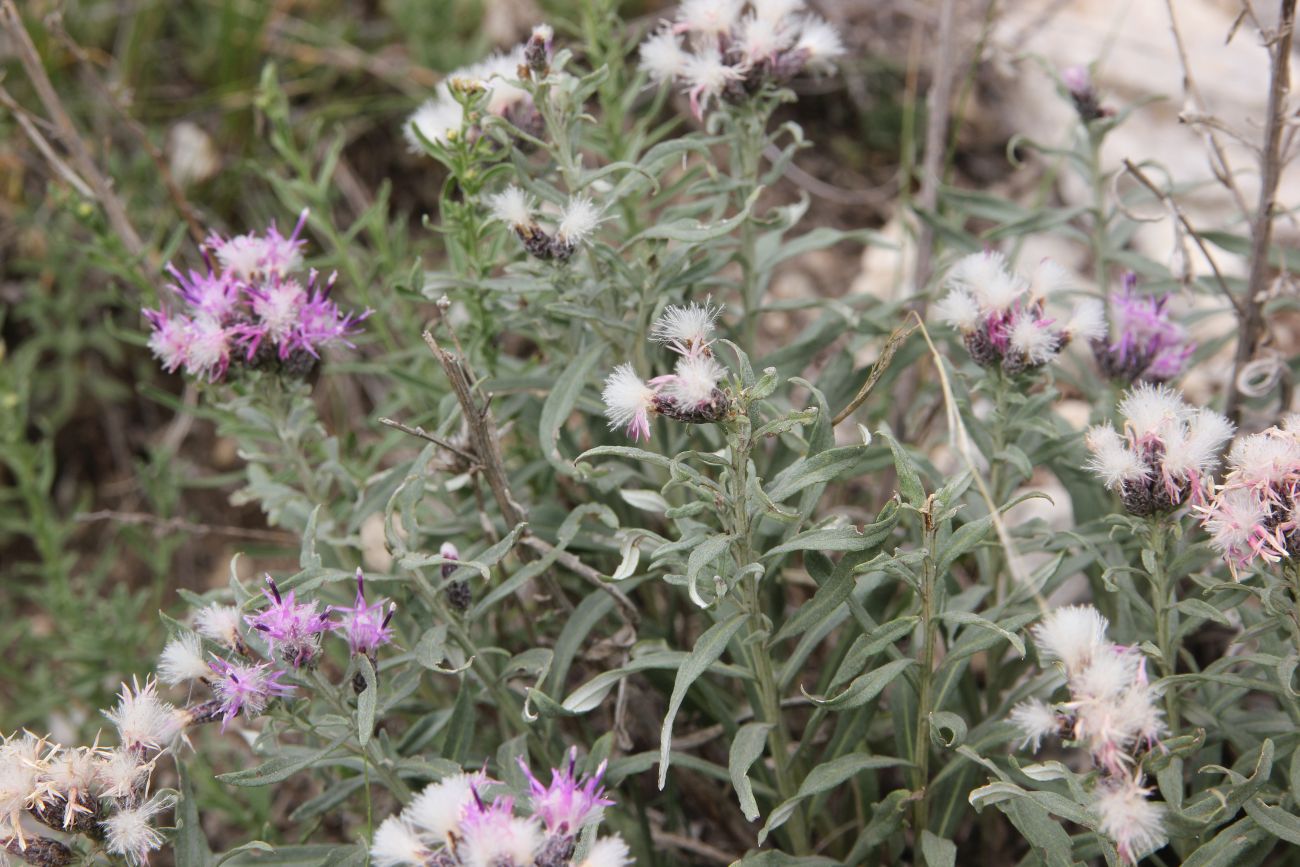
(170, 340)
(493, 834)
(364, 626)
(251, 256)
(292, 629)
(1148, 345)
(246, 688)
(628, 402)
(214, 293)
(570, 802)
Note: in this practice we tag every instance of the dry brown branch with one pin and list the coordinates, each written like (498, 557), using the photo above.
(1168, 200)
(137, 130)
(420, 432)
(34, 135)
(66, 130)
(936, 140)
(1261, 224)
(896, 339)
(689, 844)
(1218, 157)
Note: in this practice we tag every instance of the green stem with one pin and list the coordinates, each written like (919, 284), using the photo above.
(925, 698)
(1163, 593)
(370, 753)
(760, 662)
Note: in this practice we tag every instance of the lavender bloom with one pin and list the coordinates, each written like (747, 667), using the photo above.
(1149, 346)
(292, 629)
(364, 626)
(246, 689)
(570, 802)
(249, 300)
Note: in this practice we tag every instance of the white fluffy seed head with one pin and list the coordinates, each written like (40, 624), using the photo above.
(706, 74)
(1033, 339)
(578, 220)
(130, 832)
(143, 719)
(1265, 458)
(512, 206)
(1192, 450)
(987, 278)
(1107, 675)
(710, 18)
(1232, 520)
(960, 310)
(1036, 720)
(1112, 460)
(220, 623)
(686, 329)
(437, 120)
(821, 41)
(1129, 818)
(608, 852)
(396, 844)
(182, 660)
(761, 38)
(1073, 635)
(662, 56)
(514, 841)
(1088, 320)
(695, 379)
(1050, 279)
(121, 773)
(436, 812)
(626, 396)
(776, 10)
(1152, 409)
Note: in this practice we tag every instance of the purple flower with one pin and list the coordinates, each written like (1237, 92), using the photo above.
(214, 293)
(293, 630)
(364, 626)
(1148, 345)
(246, 688)
(570, 802)
(250, 299)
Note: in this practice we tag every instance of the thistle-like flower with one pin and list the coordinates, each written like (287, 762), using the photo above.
(578, 220)
(691, 393)
(1148, 345)
(129, 832)
(245, 688)
(491, 835)
(570, 802)
(716, 50)
(1254, 513)
(1003, 318)
(1126, 814)
(686, 329)
(221, 624)
(143, 720)
(1166, 454)
(182, 660)
(397, 844)
(22, 761)
(629, 402)
(292, 629)
(249, 310)
(442, 119)
(364, 626)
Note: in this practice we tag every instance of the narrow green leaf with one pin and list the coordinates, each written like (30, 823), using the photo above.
(865, 687)
(559, 404)
(823, 778)
(367, 701)
(281, 767)
(746, 747)
(707, 650)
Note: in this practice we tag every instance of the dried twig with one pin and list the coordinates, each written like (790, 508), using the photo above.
(69, 137)
(936, 140)
(689, 844)
(423, 434)
(585, 572)
(56, 162)
(1261, 224)
(1168, 200)
(896, 339)
(170, 525)
(137, 129)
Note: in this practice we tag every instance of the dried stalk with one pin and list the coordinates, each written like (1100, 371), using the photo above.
(1251, 324)
(69, 137)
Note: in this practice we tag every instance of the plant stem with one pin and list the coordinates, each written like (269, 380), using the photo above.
(769, 709)
(1161, 602)
(930, 640)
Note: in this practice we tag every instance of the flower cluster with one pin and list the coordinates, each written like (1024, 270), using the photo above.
(452, 823)
(691, 393)
(1166, 454)
(1147, 345)
(248, 306)
(496, 80)
(1254, 513)
(728, 49)
(573, 226)
(243, 684)
(1003, 318)
(1112, 711)
(98, 793)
